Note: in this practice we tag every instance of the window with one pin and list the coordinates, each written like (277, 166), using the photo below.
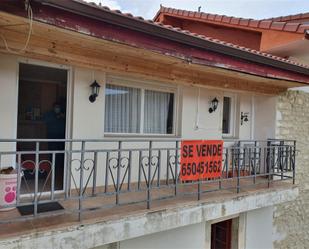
(138, 110)
(158, 112)
(122, 109)
(228, 116)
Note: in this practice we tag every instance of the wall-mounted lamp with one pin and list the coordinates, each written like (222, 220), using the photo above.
(244, 117)
(95, 89)
(213, 105)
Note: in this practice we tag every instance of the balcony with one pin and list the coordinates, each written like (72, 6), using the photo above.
(92, 180)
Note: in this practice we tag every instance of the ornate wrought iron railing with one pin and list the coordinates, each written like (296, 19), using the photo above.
(79, 170)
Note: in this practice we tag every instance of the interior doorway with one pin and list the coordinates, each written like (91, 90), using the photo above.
(42, 100)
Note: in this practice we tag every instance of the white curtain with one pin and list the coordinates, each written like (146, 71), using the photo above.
(158, 112)
(122, 109)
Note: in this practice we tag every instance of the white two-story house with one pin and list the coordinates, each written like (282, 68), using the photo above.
(95, 105)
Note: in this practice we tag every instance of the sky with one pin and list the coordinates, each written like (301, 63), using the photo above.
(257, 9)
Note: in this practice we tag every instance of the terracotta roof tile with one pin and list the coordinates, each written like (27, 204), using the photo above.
(265, 24)
(204, 15)
(278, 23)
(235, 20)
(211, 17)
(306, 15)
(209, 39)
(128, 14)
(198, 14)
(186, 13)
(289, 17)
(218, 18)
(302, 28)
(297, 16)
(292, 27)
(244, 22)
(226, 19)
(254, 23)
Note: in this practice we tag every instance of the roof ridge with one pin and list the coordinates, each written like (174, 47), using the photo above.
(289, 17)
(187, 32)
(202, 12)
(238, 21)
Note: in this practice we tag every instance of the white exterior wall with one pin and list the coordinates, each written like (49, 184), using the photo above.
(192, 236)
(8, 100)
(194, 120)
(8, 105)
(87, 119)
(258, 227)
(254, 232)
(197, 122)
(265, 117)
(245, 107)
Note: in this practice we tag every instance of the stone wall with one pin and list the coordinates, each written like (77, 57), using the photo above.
(291, 221)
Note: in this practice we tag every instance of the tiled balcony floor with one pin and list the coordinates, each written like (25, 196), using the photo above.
(61, 220)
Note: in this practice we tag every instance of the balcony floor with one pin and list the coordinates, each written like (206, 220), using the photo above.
(61, 221)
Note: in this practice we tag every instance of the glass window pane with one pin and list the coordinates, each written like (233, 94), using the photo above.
(158, 112)
(226, 115)
(122, 109)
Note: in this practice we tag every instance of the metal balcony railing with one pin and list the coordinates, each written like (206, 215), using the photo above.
(79, 170)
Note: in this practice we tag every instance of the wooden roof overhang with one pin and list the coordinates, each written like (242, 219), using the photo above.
(61, 36)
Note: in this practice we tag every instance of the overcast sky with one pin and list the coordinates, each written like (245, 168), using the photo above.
(257, 9)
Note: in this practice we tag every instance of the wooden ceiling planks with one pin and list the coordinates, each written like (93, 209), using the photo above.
(57, 45)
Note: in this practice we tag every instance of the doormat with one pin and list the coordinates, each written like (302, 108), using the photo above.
(42, 208)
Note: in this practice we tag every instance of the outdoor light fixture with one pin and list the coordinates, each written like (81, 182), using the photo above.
(213, 105)
(244, 117)
(95, 88)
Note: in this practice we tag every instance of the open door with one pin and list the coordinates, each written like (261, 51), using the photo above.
(42, 99)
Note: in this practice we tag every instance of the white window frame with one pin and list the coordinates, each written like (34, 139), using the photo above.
(233, 114)
(143, 85)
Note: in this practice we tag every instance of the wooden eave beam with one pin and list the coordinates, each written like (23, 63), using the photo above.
(66, 47)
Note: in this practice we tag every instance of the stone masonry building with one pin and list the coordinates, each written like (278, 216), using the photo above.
(291, 220)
